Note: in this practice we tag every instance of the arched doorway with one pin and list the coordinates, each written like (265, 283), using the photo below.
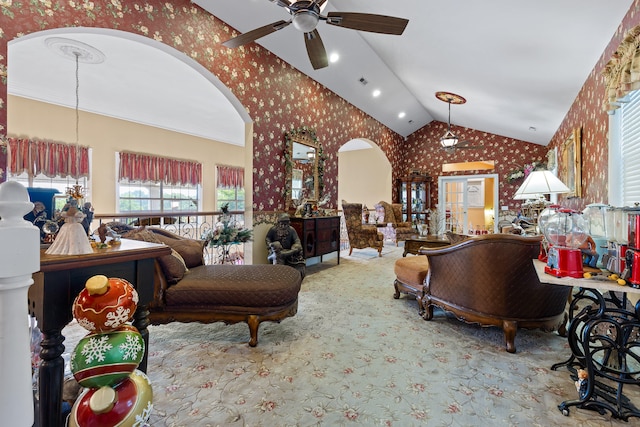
(364, 173)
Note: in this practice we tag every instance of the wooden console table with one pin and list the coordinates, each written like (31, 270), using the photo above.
(413, 244)
(603, 335)
(51, 297)
(318, 235)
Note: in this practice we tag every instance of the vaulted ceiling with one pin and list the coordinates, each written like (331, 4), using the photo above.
(519, 64)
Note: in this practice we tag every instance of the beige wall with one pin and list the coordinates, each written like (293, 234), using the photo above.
(364, 176)
(106, 136)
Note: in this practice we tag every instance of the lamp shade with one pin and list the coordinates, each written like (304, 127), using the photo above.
(448, 140)
(540, 182)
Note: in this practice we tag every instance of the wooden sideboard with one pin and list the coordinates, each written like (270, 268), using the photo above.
(319, 235)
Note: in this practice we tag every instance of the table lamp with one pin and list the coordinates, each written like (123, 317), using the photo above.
(536, 185)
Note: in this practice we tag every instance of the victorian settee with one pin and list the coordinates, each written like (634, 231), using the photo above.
(490, 280)
(187, 290)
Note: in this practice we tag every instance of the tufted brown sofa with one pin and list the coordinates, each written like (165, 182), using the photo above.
(217, 293)
(490, 280)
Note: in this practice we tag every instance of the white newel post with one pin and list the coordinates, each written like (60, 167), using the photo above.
(19, 258)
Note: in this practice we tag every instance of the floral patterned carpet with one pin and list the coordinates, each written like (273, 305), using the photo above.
(353, 355)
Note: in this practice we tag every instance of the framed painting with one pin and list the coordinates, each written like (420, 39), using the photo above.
(571, 158)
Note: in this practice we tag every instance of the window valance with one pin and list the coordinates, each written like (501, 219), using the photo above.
(622, 72)
(230, 177)
(48, 158)
(148, 168)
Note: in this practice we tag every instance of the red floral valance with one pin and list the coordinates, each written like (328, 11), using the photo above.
(148, 168)
(230, 177)
(48, 158)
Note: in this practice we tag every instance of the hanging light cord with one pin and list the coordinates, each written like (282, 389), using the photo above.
(77, 54)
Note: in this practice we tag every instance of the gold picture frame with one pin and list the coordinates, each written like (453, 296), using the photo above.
(571, 158)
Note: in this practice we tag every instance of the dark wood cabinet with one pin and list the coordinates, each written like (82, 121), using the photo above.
(319, 235)
(414, 191)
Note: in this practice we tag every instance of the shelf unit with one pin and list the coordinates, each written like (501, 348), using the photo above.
(414, 191)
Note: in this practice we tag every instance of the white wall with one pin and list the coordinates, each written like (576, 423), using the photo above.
(364, 176)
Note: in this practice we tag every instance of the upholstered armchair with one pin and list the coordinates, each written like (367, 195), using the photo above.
(393, 215)
(361, 236)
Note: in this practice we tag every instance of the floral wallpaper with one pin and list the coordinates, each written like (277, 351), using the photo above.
(278, 98)
(423, 152)
(588, 113)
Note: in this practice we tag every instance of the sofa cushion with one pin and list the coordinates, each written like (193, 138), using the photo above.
(191, 250)
(173, 267)
(235, 286)
(412, 270)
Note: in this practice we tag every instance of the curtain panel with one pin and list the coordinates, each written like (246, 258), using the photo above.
(230, 177)
(622, 72)
(148, 168)
(48, 158)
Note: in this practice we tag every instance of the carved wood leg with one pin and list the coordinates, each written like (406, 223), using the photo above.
(396, 295)
(51, 376)
(254, 323)
(428, 310)
(420, 306)
(510, 328)
(141, 321)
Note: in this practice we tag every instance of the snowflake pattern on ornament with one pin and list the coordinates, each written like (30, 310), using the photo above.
(96, 348)
(86, 323)
(141, 419)
(117, 318)
(132, 347)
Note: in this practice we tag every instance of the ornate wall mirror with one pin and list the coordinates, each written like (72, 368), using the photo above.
(304, 166)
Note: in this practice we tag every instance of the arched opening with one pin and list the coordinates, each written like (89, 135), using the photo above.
(364, 173)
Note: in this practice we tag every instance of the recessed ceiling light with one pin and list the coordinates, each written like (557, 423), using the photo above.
(376, 93)
(402, 114)
(334, 57)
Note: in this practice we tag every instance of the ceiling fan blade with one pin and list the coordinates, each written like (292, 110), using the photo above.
(465, 144)
(368, 22)
(281, 3)
(315, 50)
(253, 35)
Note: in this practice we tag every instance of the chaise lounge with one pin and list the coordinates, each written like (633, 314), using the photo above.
(190, 291)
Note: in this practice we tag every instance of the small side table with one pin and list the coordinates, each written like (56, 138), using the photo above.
(414, 243)
(604, 335)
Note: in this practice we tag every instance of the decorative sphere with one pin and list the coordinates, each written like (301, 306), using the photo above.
(127, 404)
(105, 303)
(566, 228)
(105, 359)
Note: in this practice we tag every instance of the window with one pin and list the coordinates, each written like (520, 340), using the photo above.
(49, 164)
(230, 187)
(148, 183)
(624, 152)
(60, 184)
(233, 196)
(157, 197)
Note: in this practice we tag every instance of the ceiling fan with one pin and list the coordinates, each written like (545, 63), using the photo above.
(449, 141)
(305, 15)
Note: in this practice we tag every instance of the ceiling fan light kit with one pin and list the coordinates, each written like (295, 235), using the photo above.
(305, 15)
(449, 141)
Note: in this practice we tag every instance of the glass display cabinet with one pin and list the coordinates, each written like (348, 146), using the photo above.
(414, 191)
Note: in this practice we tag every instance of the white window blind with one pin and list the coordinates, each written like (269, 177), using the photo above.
(630, 150)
